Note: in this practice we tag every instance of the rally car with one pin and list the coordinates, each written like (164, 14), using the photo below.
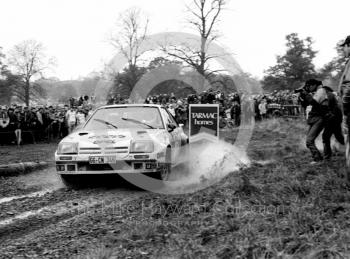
(122, 139)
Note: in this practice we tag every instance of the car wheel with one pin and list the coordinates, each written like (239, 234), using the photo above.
(70, 181)
(165, 170)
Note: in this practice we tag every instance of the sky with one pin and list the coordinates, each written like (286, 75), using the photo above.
(76, 32)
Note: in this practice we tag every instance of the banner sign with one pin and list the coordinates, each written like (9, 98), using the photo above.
(203, 122)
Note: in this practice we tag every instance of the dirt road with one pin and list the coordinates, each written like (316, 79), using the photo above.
(36, 210)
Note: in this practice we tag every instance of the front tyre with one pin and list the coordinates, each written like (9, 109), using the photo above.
(70, 181)
(165, 169)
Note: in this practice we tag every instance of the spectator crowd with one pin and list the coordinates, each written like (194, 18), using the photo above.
(20, 124)
(233, 106)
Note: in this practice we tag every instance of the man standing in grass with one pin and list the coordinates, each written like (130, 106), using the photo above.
(315, 95)
(324, 115)
(344, 90)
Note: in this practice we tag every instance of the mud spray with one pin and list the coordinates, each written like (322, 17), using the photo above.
(47, 180)
(206, 163)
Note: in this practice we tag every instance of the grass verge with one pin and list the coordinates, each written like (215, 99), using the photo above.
(279, 207)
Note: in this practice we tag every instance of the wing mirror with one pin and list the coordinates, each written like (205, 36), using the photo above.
(171, 127)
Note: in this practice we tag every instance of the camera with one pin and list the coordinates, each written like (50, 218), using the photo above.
(300, 89)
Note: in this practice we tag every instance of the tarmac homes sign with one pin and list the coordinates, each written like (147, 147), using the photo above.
(204, 122)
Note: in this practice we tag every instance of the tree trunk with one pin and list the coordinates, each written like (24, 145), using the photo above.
(201, 69)
(26, 92)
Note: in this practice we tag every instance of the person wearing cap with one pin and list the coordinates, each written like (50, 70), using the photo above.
(344, 93)
(315, 95)
(344, 83)
(345, 78)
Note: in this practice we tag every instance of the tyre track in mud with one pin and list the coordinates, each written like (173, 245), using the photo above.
(31, 220)
(66, 236)
(35, 211)
(59, 199)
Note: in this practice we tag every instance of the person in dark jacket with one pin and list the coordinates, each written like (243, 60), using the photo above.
(344, 91)
(236, 113)
(314, 94)
(332, 120)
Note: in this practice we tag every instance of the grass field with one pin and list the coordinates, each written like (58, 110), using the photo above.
(279, 207)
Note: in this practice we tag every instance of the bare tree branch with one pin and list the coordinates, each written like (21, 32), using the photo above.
(204, 15)
(133, 27)
(28, 60)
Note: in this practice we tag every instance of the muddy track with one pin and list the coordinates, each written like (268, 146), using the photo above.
(37, 207)
(40, 218)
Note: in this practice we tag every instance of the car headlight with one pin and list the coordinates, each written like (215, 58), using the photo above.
(67, 148)
(141, 147)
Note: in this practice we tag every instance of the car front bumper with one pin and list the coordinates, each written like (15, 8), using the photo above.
(80, 165)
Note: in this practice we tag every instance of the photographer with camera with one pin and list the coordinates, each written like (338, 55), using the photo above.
(324, 114)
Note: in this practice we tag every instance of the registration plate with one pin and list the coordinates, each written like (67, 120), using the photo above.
(102, 160)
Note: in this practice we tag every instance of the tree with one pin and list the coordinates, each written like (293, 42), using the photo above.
(169, 69)
(28, 60)
(125, 81)
(128, 39)
(294, 67)
(2, 65)
(8, 86)
(204, 16)
(162, 61)
(6, 80)
(332, 71)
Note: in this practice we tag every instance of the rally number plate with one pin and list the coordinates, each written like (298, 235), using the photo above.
(102, 160)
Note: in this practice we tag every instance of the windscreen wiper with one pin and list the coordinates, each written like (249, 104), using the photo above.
(106, 122)
(139, 122)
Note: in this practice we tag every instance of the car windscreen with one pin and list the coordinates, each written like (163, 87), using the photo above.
(125, 117)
